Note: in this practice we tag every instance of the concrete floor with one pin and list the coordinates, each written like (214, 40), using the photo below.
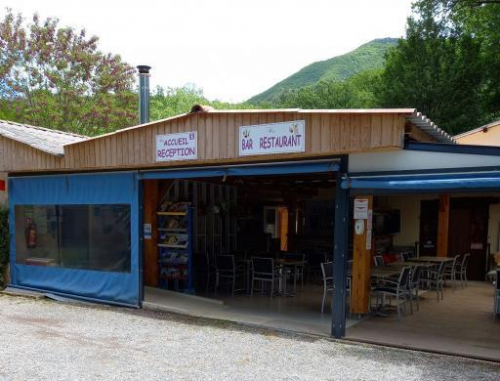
(460, 324)
(301, 313)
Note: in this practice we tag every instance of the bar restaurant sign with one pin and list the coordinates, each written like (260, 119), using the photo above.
(264, 139)
(181, 146)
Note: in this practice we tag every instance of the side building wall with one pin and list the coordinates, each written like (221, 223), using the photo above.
(409, 206)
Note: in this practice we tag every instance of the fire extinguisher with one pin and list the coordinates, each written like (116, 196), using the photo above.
(30, 233)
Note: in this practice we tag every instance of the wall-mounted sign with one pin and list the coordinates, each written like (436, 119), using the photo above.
(181, 146)
(147, 231)
(360, 208)
(263, 139)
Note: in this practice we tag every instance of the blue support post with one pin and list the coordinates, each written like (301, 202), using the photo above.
(140, 202)
(340, 254)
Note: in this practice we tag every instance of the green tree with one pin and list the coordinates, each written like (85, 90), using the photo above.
(481, 19)
(170, 101)
(57, 78)
(437, 69)
(359, 91)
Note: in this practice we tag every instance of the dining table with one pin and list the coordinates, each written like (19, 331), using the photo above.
(381, 272)
(410, 263)
(384, 272)
(282, 263)
(433, 259)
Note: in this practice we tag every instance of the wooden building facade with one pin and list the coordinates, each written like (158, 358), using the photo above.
(328, 132)
(108, 172)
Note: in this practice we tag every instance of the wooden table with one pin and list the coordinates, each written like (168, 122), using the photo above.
(384, 272)
(288, 262)
(381, 272)
(433, 259)
(410, 263)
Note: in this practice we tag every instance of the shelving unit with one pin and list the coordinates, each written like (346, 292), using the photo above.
(212, 222)
(175, 248)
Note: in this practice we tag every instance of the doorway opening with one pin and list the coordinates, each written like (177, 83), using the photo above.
(284, 223)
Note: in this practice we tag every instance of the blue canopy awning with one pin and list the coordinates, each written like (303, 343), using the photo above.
(422, 182)
(243, 170)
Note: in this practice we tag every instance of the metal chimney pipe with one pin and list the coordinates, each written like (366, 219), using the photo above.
(144, 93)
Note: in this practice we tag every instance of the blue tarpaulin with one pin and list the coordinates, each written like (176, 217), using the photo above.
(89, 189)
(421, 182)
(111, 188)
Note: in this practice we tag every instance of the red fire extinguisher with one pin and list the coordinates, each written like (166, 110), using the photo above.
(30, 233)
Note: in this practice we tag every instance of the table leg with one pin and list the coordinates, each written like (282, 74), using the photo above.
(295, 279)
(280, 280)
(248, 278)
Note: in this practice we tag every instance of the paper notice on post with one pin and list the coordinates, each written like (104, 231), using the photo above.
(368, 239)
(361, 208)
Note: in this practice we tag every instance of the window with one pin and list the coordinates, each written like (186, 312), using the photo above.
(91, 237)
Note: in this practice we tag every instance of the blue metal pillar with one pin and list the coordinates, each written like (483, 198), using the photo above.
(340, 253)
(140, 232)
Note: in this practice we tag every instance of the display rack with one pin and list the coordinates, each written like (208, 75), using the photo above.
(175, 248)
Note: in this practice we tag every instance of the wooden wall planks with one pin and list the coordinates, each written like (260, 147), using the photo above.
(326, 134)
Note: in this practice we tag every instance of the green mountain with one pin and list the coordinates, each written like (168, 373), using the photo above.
(368, 56)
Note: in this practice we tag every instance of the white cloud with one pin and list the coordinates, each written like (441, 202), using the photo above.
(233, 49)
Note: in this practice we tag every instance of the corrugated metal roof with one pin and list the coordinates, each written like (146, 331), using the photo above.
(43, 139)
(428, 126)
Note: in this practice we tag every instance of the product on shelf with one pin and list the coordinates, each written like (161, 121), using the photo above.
(174, 207)
(174, 249)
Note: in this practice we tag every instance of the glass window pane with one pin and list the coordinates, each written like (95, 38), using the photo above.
(93, 237)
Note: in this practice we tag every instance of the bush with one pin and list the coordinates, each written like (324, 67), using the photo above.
(4, 243)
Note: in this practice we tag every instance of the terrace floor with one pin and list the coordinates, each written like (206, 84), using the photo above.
(461, 324)
(301, 313)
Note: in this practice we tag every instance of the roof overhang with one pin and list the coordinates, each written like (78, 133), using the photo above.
(429, 127)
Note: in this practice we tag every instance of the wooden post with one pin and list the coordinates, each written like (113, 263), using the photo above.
(443, 225)
(151, 270)
(362, 259)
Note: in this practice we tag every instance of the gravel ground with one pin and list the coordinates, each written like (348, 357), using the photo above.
(42, 339)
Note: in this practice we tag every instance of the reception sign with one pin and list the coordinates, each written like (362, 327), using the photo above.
(181, 146)
(264, 139)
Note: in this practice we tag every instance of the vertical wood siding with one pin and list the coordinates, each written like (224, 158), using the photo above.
(326, 134)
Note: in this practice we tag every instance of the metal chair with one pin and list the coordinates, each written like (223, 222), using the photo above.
(263, 270)
(327, 271)
(433, 279)
(450, 271)
(226, 269)
(396, 289)
(211, 270)
(378, 260)
(413, 286)
(327, 274)
(461, 270)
